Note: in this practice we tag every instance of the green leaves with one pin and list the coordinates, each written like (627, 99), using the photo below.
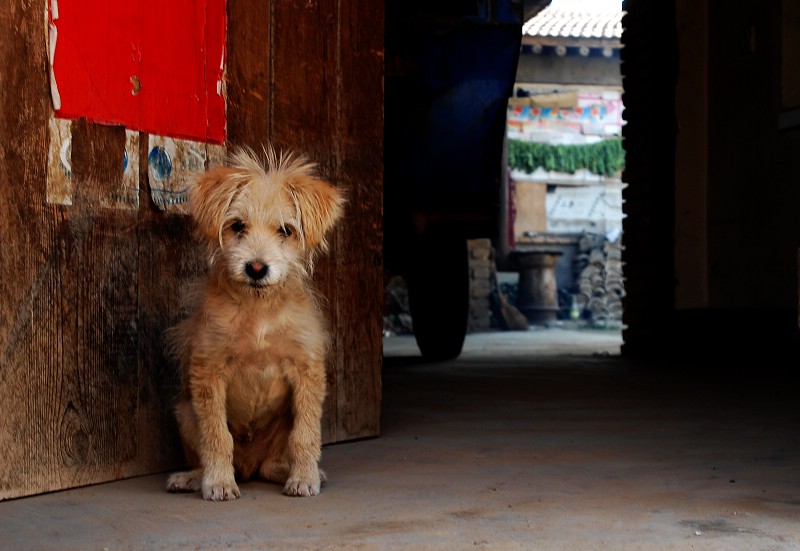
(604, 158)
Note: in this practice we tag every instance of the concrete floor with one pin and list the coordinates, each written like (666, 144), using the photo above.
(544, 439)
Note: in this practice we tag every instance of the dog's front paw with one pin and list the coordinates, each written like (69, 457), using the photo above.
(221, 490)
(303, 487)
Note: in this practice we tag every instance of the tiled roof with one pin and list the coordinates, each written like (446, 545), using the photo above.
(557, 22)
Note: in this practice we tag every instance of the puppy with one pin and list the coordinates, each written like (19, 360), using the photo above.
(253, 345)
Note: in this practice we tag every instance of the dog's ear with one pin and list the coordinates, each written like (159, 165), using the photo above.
(210, 195)
(321, 205)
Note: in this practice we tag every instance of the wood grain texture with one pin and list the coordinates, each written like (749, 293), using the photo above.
(248, 72)
(86, 291)
(358, 285)
(30, 368)
(85, 397)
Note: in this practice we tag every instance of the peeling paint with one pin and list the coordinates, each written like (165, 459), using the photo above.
(59, 162)
(126, 195)
(52, 40)
(172, 164)
(60, 185)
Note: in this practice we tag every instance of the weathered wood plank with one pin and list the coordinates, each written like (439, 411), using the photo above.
(248, 72)
(29, 276)
(168, 258)
(358, 287)
(304, 79)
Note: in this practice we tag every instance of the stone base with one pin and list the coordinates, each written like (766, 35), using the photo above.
(537, 296)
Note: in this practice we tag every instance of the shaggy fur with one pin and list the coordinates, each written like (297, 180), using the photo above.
(252, 348)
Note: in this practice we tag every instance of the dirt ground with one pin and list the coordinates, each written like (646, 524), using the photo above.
(543, 439)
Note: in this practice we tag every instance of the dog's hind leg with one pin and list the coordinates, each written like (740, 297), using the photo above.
(275, 467)
(188, 481)
(279, 473)
(274, 471)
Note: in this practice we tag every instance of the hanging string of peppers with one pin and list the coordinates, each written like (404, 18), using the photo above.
(604, 158)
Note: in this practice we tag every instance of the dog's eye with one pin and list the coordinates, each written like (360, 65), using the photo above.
(238, 227)
(285, 231)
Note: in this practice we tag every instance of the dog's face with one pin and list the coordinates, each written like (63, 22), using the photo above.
(264, 220)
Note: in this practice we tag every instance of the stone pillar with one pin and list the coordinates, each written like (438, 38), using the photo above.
(537, 296)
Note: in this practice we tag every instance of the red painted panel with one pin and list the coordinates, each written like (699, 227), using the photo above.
(151, 66)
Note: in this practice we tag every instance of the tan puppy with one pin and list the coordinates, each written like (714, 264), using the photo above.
(252, 349)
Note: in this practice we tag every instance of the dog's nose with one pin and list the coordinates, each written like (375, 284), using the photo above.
(256, 270)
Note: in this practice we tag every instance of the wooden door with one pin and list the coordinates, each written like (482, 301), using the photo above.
(87, 289)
